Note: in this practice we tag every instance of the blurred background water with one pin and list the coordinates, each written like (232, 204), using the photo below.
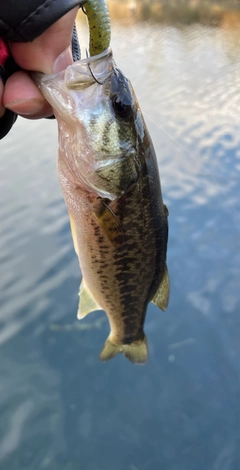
(60, 407)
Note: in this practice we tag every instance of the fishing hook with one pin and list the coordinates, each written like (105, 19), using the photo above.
(91, 72)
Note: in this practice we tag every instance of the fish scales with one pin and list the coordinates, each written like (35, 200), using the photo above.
(123, 281)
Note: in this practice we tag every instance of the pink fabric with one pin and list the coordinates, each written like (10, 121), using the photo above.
(4, 52)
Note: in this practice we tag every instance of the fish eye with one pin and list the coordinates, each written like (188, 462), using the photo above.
(121, 109)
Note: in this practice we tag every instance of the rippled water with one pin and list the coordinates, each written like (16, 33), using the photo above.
(62, 409)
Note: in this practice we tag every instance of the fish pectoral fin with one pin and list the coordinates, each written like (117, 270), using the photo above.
(87, 303)
(73, 230)
(110, 224)
(135, 352)
(161, 297)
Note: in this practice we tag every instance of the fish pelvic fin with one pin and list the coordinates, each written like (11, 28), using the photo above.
(135, 352)
(161, 297)
(87, 303)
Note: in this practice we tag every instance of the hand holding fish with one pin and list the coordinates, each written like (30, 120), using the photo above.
(49, 52)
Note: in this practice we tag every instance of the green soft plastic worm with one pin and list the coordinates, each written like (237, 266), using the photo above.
(99, 26)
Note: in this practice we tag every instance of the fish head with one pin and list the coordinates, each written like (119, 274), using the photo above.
(102, 128)
(114, 129)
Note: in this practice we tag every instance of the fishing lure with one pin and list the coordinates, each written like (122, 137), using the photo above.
(99, 26)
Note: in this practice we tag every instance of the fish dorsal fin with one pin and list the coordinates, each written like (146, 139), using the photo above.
(110, 224)
(87, 304)
(161, 297)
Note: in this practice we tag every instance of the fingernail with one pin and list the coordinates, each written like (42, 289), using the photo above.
(26, 107)
(63, 60)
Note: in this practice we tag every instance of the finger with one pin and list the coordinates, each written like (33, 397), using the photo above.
(23, 97)
(40, 54)
(2, 109)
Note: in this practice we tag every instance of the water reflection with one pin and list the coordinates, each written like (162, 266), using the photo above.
(60, 408)
(225, 13)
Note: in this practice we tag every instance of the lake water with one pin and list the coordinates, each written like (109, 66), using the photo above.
(60, 407)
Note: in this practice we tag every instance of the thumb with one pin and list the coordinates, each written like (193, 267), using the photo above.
(49, 52)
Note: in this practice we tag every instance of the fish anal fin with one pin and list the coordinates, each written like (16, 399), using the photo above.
(87, 303)
(110, 224)
(161, 297)
(136, 352)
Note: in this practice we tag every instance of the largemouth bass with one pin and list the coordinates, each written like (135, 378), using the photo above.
(110, 182)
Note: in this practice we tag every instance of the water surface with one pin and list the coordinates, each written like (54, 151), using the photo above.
(62, 409)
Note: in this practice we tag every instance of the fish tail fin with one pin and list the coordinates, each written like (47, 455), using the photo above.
(136, 352)
(109, 351)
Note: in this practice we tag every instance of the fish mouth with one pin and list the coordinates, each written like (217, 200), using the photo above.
(90, 70)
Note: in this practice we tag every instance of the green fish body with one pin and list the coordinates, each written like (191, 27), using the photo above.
(110, 181)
